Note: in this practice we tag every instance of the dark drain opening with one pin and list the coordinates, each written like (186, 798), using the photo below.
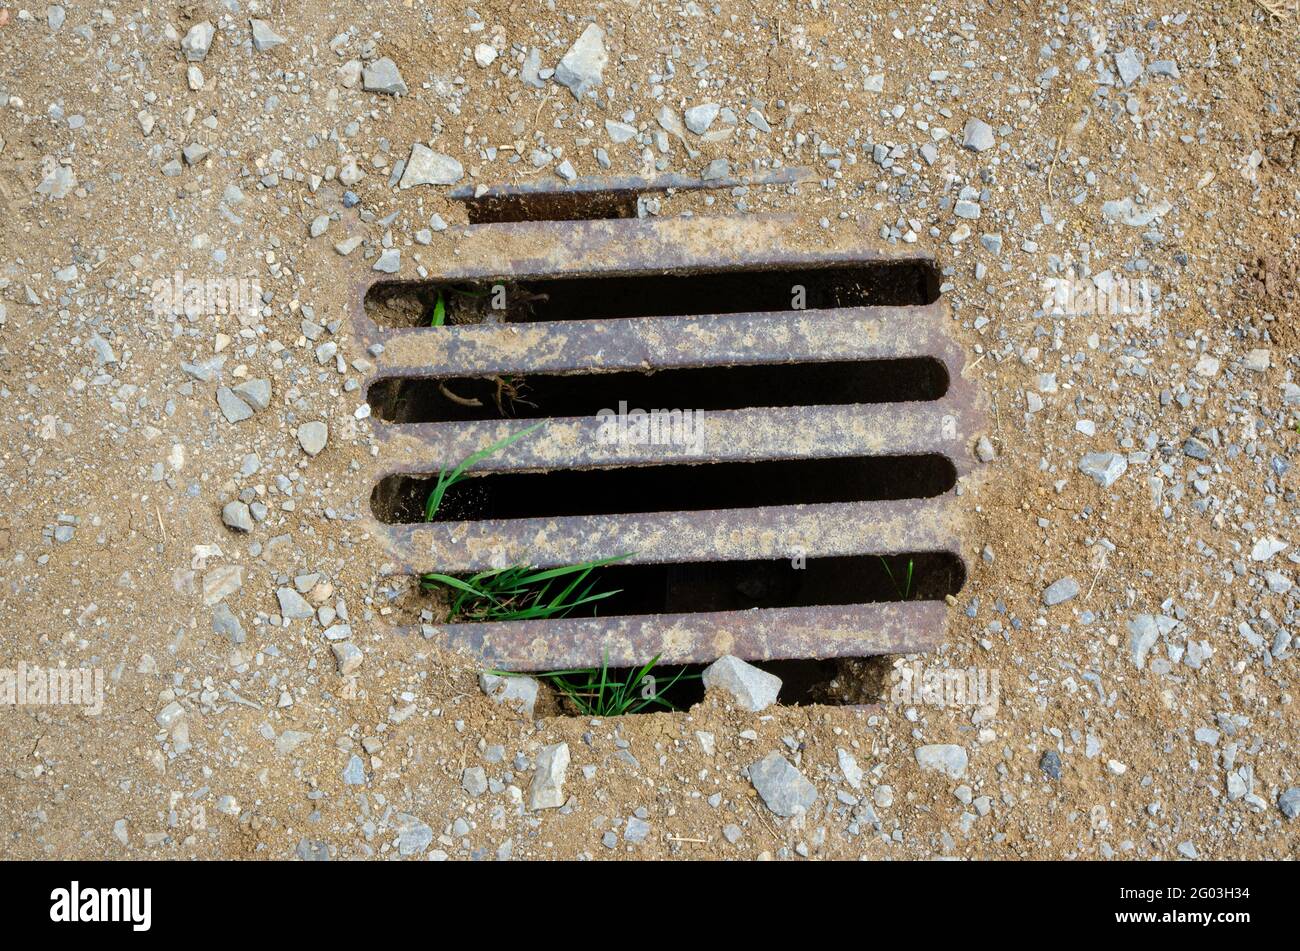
(840, 681)
(551, 206)
(690, 488)
(542, 395)
(893, 284)
(691, 587)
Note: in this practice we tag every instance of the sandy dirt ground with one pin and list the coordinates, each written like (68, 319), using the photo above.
(1148, 714)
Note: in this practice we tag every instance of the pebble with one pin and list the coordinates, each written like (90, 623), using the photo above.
(1104, 467)
(473, 780)
(312, 437)
(1050, 764)
(546, 791)
(198, 41)
(752, 688)
(977, 136)
(699, 118)
(1289, 802)
(518, 692)
(264, 37)
(1060, 591)
(237, 516)
(427, 167)
(382, 76)
(948, 758)
(347, 656)
(583, 65)
(354, 774)
(783, 789)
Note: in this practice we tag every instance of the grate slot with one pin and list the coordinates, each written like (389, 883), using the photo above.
(548, 395)
(880, 284)
(593, 198)
(566, 492)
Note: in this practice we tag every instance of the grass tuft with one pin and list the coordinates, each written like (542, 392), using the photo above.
(521, 593)
(600, 692)
(447, 479)
(905, 591)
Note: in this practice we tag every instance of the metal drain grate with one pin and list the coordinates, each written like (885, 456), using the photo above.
(702, 307)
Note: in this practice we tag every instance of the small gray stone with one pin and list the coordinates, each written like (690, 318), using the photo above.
(382, 76)
(390, 261)
(413, 836)
(948, 758)
(977, 135)
(256, 393)
(636, 829)
(1144, 630)
(473, 780)
(427, 167)
(1289, 802)
(753, 689)
(354, 774)
(984, 450)
(1129, 64)
(226, 624)
(619, 132)
(293, 605)
(198, 41)
(582, 66)
(547, 788)
(783, 788)
(312, 437)
(347, 656)
(699, 118)
(1050, 764)
(235, 514)
(264, 38)
(232, 407)
(517, 692)
(1104, 467)
(1060, 591)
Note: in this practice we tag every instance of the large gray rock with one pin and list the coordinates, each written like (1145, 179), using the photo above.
(583, 64)
(1144, 630)
(547, 788)
(312, 437)
(413, 836)
(236, 515)
(947, 758)
(753, 689)
(1058, 592)
(427, 167)
(977, 136)
(782, 787)
(198, 41)
(1104, 467)
(517, 692)
(383, 76)
(293, 605)
(264, 37)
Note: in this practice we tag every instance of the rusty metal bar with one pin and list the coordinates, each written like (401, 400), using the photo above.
(630, 184)
(767, 532)
(858, 630)
(625, 247)
(660, 343)
(782, 432)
